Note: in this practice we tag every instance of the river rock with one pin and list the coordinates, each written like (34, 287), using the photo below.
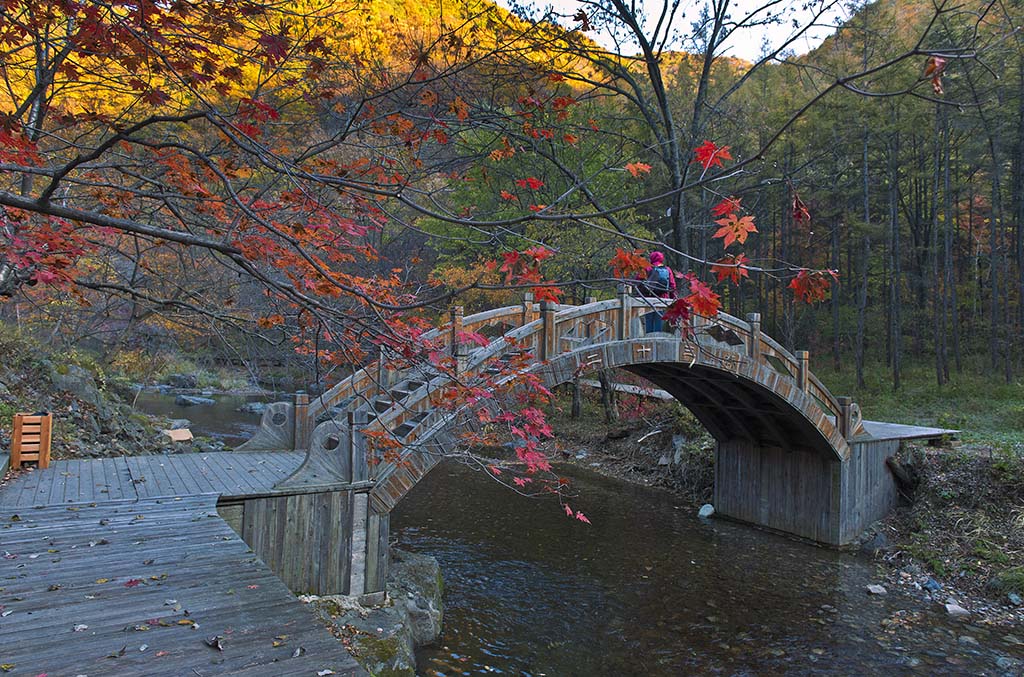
(77, 381)
(178, 423)
(956, 611)
(1014, 599)
(253, 408)
(384, 638)
(706, 510)
(193, 400)
(877, 542)
(182, 380)
(932, 585)
(877, 590)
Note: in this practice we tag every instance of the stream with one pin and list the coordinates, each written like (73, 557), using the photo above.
(648, 588)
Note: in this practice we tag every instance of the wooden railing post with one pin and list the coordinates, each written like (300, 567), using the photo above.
(548, 339)
(622, 328)
(803, 359)
(456, 328)
(526, 316)
(303, 428)
(461, 358)
(845, 421)
(754, 343)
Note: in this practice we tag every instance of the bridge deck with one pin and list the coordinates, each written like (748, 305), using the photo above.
(144, 587)
(229, 475)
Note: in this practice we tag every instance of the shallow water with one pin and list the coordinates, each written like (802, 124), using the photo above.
(221, 421)
(649, 589)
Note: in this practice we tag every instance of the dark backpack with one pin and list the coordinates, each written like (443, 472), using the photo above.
(658, 280)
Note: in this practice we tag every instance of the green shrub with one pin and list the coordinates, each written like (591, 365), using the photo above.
(1010, 580)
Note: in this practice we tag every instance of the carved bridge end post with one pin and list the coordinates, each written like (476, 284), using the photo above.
(357, 449)
(303, 428)
(754, 343)
(845, 416)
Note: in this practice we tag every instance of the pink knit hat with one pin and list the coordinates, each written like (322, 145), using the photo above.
(657, 258)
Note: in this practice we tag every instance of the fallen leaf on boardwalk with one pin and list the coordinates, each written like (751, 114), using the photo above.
(161, 654)
(81, 627)
(5, 614)
(143, 647)
(148, 562)
(252, 587)
(54, 587)
(15, 518)
(298, 652)
(321, 673)
(118, 654)
(141, 628)
(131, 583)
(277, 643)
(216, 642)
(102, 580)
(6, 667)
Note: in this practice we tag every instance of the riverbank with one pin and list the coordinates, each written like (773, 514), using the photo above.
(960, 540)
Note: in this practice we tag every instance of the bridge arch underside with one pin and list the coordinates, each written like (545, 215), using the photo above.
(735, 409)
(780, 461)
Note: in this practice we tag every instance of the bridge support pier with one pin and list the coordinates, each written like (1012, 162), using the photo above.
(803, 492)
(320, 543)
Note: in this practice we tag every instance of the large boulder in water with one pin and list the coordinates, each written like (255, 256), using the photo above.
(193, 401)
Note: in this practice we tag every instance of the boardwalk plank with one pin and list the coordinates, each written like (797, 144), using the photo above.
(209, 571)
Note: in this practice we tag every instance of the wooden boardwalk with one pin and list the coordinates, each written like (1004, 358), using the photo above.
(225, 474)
(145, 587)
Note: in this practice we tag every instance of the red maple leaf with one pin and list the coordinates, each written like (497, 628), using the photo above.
(731, 267)
(729, 205)
(810, 285)
(735, 229)
(638, 168)
(677, 314)
(703, 301)
(709, 155)
(800, 212)
(531, 182)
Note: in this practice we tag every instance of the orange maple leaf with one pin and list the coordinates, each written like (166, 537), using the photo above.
(638, 168)
(735, 229)
(628, 264)
(729, 205)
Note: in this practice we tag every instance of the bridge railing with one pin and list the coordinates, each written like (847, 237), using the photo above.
(549, 329)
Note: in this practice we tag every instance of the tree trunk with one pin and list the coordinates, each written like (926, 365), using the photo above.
(609, 398)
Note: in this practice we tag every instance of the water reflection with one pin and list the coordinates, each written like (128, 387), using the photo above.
(650, 590)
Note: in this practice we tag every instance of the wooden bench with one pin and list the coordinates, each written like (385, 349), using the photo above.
(31, 439)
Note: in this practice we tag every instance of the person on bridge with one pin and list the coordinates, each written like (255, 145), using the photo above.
(659, 282)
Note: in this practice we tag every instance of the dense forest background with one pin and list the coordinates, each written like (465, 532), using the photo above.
(452, 133)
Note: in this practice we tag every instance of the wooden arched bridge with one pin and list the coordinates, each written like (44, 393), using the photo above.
(304, 497)
(790, 455)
